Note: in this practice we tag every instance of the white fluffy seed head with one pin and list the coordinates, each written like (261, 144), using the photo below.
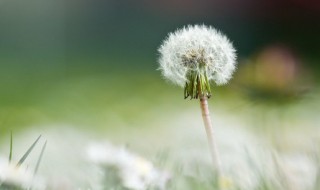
(187, 48)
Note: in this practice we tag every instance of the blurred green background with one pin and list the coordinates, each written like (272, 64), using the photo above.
(93, 64)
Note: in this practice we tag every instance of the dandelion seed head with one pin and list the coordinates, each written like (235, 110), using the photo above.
(14, 176)
(196, 48)
(134, 171)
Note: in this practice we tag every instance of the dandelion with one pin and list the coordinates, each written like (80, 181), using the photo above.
(16, 176)
(192, 57)
(12, 176)
(134, 171)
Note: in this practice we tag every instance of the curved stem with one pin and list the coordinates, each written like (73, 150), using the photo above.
(210, 134)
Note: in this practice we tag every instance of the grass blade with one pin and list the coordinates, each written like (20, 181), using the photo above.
(10, 153)
(23, 158)
(40, 158)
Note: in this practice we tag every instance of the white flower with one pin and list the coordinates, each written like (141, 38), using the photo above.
(197, 51)
(13, 176)
(134, 171)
